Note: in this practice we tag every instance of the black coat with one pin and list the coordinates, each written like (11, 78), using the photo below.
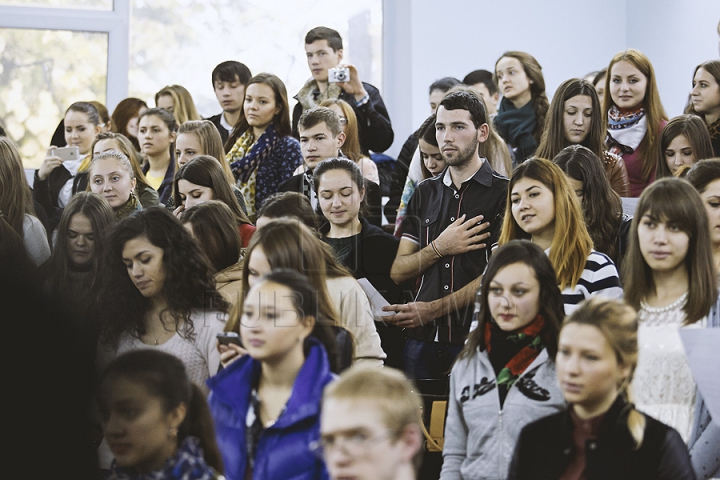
(46, 193)
(545, 448)
(224, 134)
(372, 258)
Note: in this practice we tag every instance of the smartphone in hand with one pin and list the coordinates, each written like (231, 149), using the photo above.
(226, 338)
(66, 153)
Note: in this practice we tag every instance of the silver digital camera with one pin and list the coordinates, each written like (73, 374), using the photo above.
(337, 75)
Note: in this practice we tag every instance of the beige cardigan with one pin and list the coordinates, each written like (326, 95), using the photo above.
(356, 315)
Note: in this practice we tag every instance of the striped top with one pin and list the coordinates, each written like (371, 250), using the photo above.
(600, 277)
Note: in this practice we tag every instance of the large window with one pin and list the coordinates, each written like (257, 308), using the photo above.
(41, 76)
(88, 4)
(55, 52)
(180, 42)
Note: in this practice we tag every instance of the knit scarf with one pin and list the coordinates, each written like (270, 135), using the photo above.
(188, 463)
(246, 156)
(516, 126)
(626, 129)
(512, 352)
(128, 207)
(310, 95)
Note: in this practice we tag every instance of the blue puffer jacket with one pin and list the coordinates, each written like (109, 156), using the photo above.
(282, 451)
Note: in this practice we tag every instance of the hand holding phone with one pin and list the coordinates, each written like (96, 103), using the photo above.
(230, 347)
(54, 158)
(227, 338)
(66, 153)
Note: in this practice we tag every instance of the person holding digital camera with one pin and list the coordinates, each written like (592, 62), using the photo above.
(331, 79)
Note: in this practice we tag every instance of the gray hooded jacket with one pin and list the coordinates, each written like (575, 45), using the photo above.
(480, 435)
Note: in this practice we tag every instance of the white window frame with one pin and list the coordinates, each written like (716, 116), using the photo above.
(115, 22)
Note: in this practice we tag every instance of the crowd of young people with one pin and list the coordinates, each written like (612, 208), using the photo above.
(222, 273)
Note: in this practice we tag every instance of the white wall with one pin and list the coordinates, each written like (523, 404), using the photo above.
(425, 40)
(677, 36)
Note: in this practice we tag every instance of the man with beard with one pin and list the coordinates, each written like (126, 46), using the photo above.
(451, 221)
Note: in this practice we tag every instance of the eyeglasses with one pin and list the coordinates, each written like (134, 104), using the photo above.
(354, 445)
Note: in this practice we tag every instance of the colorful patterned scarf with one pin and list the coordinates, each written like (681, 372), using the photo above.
(626, 129)
(310, 95)
(512, 352)
(188, 463)
(246, 156)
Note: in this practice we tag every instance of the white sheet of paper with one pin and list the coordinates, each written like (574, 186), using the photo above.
(702, 346)
(377, 301)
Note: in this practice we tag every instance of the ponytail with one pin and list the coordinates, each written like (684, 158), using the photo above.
(199, 423)
(635, 419)
(165, 377)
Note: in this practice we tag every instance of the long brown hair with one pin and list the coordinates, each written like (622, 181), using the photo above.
(654, 110)
(206, 171)
(183, 104)
(351, 146)
(553, 138)
(288, 243)
(213, 225)
(15, 194)
(281, 120)
(694, 130)
(102, 218)
(540, 102)
(550, 302)
(673, 200)
(571, 244)
(713, 68)
(210, 141)
(601, 206)
(125, 111)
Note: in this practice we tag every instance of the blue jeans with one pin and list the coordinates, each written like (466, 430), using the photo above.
(429, 359)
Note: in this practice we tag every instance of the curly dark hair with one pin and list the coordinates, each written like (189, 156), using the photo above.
(189, 283)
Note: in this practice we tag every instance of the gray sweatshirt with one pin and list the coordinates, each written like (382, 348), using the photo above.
(480, 435)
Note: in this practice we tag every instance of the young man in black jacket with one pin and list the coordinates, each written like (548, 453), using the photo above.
(324, 51)
(229, 81)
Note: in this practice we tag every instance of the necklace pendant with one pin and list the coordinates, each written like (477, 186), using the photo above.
(156, 342)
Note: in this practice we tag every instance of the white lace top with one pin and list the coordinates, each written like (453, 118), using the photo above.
(664, 387)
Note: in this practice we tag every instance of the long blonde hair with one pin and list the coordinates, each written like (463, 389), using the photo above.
(183, 104)
(571, 244)
(618, 323)
(209, 138)
(351, 146)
